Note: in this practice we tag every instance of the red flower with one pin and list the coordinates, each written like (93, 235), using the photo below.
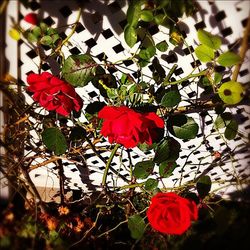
(171, 214)
(53, 93)
(128, 127)
(31, 18)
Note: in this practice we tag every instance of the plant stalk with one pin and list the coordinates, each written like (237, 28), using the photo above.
(105, 174)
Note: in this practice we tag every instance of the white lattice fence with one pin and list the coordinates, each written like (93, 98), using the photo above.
(100, 34)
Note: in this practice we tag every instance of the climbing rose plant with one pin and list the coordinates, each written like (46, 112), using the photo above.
(129, 113)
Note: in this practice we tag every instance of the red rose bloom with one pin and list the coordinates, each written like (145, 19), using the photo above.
(128, 127)
(171, 214)
(31, 18)
(53, 93)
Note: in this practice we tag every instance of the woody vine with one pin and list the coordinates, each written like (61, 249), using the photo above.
(132, 113)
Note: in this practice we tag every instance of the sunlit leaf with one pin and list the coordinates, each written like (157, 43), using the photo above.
(79, 69)
(231, 130)
(162, 46)
(134, 12)
(231, 92)
(222, 120)
(204, 53)
(229, 59)
(46, 40)
(183, 127)
(130, 36)
(206, 38)
(146, 15)
(147, 53)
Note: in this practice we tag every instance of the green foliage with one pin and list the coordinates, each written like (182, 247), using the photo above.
(229, 59)
(204, 53)
(203, 186)
(227, 121)
(164, 13)
(42, 34)
(151, 184)
(136, 226)
(167, 150)
(162, 46)
(79, 70)
(211, 41)
(231, 130)
(130, 35)
(171, 99)
(182, 127)
(143, 169)
(54, 140)
(166, 169)
(231, 92)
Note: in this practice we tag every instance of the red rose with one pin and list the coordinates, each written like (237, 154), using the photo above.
(171, 214)
(128, 127)
(53, 93)
(31, 18)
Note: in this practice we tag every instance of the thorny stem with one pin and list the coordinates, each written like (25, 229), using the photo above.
(243, 50)
(105, 174)
(61, 180)
(202, 73)
(71, 33)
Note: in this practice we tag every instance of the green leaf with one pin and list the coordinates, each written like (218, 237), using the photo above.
(143, 169)
(137, 226)
(217, 77)
(229, 59)
(46, 40)
(162, 46)
(55, 37)
(183, 127)
(223, 120)
(166, 169)
(231, 130)
(54, 140)
(44, 27)
(134, 12)
(147, 53)
(31, 37)
(130, 35)
(147, 15)
(112, 93)
(203, 186)
(167, 150)
(231, 92)
(51, 31)
(171, 99)
(159, 19)
(37, 31)
(204, 53)
(206, 38)
(78, 70)
(151, 184)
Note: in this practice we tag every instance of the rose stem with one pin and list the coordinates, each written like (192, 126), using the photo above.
(243, 50)
(105, 174)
